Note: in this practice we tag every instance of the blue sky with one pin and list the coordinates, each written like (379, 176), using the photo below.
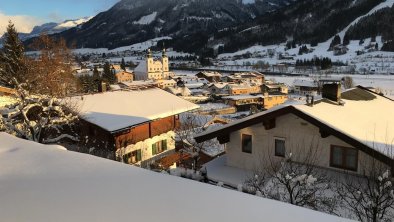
(27, 13)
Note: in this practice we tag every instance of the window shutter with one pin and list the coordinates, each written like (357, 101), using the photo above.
(154, 149)
(138, 155)
(164, 144)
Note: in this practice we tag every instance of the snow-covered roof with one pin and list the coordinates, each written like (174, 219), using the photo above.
(369, 121)
(141, 68)
(211, 74)
(166, 81)
(239, 86)
(239, 97)
(121, 109)
(366, 118)
(304, 83)
(219, 85)
(184, 91)
(43, 183)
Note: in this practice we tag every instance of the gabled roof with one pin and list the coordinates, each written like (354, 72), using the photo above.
(141, 68)
(51, 184)
(118, 110)
(365, 124)
(304, 83)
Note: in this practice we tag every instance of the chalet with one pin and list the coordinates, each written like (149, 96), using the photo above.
(305, 87)
(245, 102)
(134, 126)
(248, 77)
(348, 131)
(340, 49)
(164, 83)
(124, 76)
(210, 76)
(275, 88)
(242, 88)
(217, 88)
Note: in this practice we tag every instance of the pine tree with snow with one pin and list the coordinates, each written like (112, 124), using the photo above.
(12, 60)
(123, 65)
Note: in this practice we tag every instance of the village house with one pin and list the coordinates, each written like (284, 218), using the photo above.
(164, 83)
(305, 87)
(275, 88)
(153, 69)
(217, 88)
(178, 91)
(244, 102)
(348, 131)
(124, 76)
(136, 127)
(248, 77)
(261, 102)
(340, 49)
(210, 76)
(242, 88)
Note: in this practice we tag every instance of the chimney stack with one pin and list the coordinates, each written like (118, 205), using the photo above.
(332, 91)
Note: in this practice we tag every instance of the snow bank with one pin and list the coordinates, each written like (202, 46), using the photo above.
(41, 183)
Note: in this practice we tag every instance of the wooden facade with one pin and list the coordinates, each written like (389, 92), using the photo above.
(106, 141)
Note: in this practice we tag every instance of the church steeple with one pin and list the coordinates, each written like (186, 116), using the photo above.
(164, 53)
(149, 53)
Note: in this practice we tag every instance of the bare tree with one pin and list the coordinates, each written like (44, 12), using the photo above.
(192, 124)
(370, 197)
(36, 115)
(348, 82)
(51, 74)
(39, 118)
(294, 179)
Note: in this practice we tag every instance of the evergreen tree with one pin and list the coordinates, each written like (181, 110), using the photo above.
(346, 40)
(109, 74)
(12, 60)
(96, 74)
(123, 65)
(334, 42)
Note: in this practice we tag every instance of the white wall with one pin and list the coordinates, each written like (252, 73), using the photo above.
(146, 145)
(299, 136)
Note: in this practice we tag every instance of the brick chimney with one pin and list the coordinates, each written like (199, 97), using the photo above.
(332, 91)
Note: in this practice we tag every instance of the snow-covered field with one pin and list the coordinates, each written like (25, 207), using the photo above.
(46, 183)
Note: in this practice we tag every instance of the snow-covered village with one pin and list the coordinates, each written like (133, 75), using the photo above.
(195, 110)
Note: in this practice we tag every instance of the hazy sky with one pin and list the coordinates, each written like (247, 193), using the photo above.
(25, 14)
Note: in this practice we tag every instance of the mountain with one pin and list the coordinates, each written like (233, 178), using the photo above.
(189, 22)
(51, 28)
(306, 21)
(202, 26)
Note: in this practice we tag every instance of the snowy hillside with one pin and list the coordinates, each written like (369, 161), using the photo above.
(71, 23)
(378, 61)
(46, 183)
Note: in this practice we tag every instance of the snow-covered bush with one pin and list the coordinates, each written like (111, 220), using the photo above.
(39, 118)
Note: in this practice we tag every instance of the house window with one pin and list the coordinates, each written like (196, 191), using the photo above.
(159, 147)
(344, 157)
(133, 157)
(246, 143)
(280, 149)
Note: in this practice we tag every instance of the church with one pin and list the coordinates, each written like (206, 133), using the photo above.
(153, 69)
